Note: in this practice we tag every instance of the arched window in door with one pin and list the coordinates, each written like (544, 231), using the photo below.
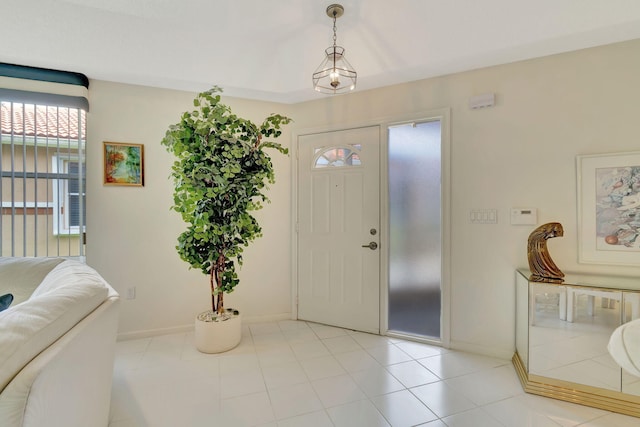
(343, 156)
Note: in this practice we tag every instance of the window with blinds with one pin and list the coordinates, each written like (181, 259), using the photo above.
(42, 167)
(42, 161)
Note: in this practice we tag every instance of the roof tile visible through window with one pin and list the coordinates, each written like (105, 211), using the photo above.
(51, 122)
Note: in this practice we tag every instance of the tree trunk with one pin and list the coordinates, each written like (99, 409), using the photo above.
(220, 303)
(219, 295)
(213, 288)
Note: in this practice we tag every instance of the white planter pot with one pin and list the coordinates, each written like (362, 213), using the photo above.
(216, 337)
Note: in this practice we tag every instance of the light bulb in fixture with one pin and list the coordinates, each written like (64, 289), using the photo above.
(335, 79)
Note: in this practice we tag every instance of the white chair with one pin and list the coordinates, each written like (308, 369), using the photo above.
(624, 346)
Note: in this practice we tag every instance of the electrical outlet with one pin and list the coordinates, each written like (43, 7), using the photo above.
(131, 293)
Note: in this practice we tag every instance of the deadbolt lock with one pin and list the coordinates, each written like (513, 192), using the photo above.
(373, 231)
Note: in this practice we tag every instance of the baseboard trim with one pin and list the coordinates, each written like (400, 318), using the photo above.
(125, 336)
(481, 349)
(267, 318)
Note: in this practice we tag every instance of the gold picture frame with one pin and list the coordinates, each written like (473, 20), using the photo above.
(123, 164)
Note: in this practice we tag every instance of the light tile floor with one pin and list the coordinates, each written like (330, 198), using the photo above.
(299, 374)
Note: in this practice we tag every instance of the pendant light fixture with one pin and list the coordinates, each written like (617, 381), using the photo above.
(335, 74)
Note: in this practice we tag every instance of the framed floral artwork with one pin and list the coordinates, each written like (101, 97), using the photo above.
(123, 164)
(609, 208)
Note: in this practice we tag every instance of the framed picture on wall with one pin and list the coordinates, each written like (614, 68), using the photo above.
(123, 164)
(609, 208)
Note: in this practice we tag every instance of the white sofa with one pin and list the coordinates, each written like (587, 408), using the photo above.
(57, 344)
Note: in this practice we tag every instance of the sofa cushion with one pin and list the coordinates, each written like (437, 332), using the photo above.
(21, 276)
(31, 326)
(69, 272)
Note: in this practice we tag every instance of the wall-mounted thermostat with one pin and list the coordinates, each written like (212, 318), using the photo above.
(524, 216)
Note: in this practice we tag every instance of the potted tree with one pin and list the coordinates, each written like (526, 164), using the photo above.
(220, 174)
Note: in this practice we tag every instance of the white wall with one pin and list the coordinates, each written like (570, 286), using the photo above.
(519, 153)
(131, 232)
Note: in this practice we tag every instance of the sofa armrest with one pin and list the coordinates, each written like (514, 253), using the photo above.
(69, 383)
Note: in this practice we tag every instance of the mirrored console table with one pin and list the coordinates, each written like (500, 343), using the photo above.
(562, 332)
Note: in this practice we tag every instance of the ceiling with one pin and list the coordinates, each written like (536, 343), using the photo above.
(267, 50)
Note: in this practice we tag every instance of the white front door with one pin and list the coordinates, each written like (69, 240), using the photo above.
(338, 217)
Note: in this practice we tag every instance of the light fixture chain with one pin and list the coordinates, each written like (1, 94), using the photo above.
(334, 29)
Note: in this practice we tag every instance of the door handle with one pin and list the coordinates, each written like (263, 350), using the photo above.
(373, 246)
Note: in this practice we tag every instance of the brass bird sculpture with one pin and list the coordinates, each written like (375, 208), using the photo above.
(542, 267)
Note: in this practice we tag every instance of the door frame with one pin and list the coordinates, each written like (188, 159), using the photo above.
(443, 115)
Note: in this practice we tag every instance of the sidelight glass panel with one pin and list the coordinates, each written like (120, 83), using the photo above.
(415, 229)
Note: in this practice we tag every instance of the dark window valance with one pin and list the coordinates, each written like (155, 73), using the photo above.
(43, 74)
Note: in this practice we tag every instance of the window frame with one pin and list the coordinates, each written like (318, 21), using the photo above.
(61, 203)
(25, 234)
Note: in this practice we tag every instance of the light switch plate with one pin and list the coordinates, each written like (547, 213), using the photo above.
(483, 216)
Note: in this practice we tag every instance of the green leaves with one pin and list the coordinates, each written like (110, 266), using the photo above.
(220, 175)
